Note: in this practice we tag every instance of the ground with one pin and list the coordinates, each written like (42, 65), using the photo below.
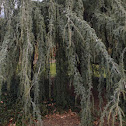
(72, 118)
(67, 119)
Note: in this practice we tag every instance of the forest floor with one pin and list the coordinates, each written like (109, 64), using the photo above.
(72, 118)
(67, 119)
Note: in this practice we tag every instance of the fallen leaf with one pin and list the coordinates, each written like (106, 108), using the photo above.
(96, 123)
(1, 102)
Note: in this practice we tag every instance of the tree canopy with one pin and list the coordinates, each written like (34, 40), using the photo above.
(88, 36)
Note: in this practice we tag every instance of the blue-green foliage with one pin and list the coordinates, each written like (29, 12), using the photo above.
(84, 33)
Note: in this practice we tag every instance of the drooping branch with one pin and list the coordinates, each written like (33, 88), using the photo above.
(90, 37)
